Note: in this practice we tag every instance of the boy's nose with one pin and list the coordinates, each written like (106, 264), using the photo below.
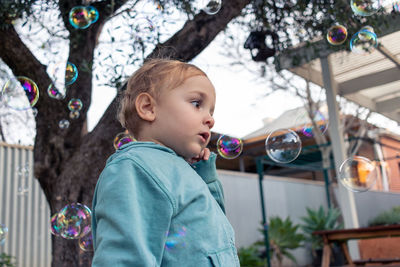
(210, 121)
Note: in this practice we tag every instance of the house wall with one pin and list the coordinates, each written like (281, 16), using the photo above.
(286, 197)
(393, 163)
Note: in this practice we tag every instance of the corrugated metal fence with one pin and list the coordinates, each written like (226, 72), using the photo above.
(23, 209)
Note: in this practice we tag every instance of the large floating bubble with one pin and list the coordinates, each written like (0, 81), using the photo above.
(229, 147)
(74, 221)
(3, 233)
(283, 145)
(358, 174)
(363, 41)
(337, 34)
(20, 93)
(365, 7)
(122, 139)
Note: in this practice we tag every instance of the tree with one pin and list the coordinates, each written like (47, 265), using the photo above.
(67, 162)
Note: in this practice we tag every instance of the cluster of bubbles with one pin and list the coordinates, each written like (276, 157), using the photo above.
(358, 174)
(363, 41)
(81, 17)
(3, 234)
(62, 75)
(73, 222)
(20, 93)
(75, 105)
(122, 139)
(175, 239)
(229, 147)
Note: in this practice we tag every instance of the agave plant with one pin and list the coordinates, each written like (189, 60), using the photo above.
(317, 220)
(283, 237)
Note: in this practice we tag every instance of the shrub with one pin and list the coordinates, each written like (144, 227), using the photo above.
(389, 217)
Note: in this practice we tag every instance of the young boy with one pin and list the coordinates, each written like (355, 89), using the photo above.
(158, 201)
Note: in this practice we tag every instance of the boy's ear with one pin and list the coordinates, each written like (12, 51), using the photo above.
(145, 107)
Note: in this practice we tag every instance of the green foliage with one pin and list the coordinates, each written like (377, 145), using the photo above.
(7, 260)
(317, 220)
(250, 257)
(283, 237)
(389, 217)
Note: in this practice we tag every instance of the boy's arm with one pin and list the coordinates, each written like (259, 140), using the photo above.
(208, 172)
(131, 216)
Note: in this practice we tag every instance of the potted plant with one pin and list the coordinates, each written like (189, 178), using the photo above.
(283, 237)
(250, 257)
(6, 260)
(383, 248)
(318, 220)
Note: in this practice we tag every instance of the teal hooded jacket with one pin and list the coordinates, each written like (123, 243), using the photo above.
(152, 208)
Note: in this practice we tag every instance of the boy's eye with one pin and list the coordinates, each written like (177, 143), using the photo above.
(195, 103)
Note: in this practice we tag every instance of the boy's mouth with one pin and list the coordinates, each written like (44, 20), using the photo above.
(205, 136)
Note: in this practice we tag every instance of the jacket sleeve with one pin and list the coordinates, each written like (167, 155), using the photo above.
(208, 172)
(131, 216)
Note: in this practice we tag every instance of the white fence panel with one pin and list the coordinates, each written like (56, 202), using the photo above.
(23, 209)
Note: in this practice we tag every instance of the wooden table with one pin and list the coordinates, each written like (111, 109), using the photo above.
(342, 236)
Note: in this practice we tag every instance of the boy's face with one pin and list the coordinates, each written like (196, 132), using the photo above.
(184, 117)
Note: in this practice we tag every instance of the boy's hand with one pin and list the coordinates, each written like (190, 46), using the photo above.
(204, 155)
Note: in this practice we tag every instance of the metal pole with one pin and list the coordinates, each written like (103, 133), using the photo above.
(260, 171)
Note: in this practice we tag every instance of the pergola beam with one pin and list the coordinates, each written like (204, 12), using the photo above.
(369, 81)
(389, 55)
(388, 106)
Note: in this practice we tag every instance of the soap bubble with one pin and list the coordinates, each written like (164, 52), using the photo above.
(93, 14)
(211, 7)
(308, 129)
(53, 92)
(358, 174)
(144, 29)
(365, 7)
(75, 104)
(175, 239)
(86, 242)
(283, 145)
(35, 112)
(337, 34)
(63, 124)
(79, 17)
(229, 147)
(55, 227)
(122, 139)
(74, 221)
(71, 73)
(3, 233)
(20, 93)
(74, 114)
(363, 42)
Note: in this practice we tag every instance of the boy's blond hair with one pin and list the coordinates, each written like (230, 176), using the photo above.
(155, 76)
